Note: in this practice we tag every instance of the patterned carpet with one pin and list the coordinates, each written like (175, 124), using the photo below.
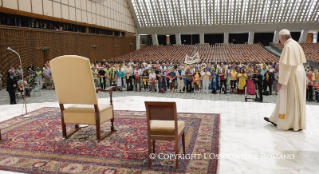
(35, 145)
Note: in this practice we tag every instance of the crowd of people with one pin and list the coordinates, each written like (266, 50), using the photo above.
(205, 77)
(253, 78)
(32, 79)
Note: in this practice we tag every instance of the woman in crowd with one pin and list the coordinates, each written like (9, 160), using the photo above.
(162, 80)
(38, 73)
(189, 79)
(196, 80)
(152, 80)
(145, 78)
(206, 76)
(214, 85)
(310, 84)
(112, 74)
(250, 84)
(136, 77)
(120, 81)
(241, 82)
(233, 79)
(222, 78)
(276, 79)
(172, 80)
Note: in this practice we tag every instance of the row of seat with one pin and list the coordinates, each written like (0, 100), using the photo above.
(207, 53)
(311, 50)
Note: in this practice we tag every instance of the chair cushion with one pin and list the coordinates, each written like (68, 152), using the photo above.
(85, 114)
(165, 127)
(86, 108)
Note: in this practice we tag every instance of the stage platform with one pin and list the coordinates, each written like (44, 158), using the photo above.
(242, 132)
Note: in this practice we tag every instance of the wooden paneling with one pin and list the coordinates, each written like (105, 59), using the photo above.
(309, 38)
(26, 41)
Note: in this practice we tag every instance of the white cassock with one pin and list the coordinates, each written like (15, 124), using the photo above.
(290, 111)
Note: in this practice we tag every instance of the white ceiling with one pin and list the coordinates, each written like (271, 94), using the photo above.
(181, 13)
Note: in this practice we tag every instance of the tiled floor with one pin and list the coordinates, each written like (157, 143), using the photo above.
(50, 96)
(243, 130)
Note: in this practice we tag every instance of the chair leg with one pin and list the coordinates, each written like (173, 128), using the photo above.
(98, 132)
(112, 124)
(153, 146)
(64, 130)
(176, 152)
(183, 141)
(149, 152)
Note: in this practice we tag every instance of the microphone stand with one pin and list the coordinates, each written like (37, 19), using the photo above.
(23, 92)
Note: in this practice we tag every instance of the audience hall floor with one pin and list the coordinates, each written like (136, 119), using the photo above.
(242, 129)
(50, 96)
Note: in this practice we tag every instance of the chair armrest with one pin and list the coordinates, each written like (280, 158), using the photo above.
(109, 89)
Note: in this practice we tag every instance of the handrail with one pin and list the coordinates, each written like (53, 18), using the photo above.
(268, 50)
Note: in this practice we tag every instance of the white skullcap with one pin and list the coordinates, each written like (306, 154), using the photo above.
(284, 32)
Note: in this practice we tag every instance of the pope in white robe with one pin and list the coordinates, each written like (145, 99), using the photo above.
(290, 111)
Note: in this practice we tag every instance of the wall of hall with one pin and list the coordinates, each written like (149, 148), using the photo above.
(110, 13)
(28, 42)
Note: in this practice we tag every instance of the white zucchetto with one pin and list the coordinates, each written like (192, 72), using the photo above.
(284, 32)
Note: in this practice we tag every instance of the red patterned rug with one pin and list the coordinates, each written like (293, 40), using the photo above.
(35, 145)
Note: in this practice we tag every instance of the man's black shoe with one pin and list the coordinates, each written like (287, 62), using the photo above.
(267, 119)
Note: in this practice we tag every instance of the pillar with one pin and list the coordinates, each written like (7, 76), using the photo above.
(154, 39)
(168, 40)
(201, 38)
(226, 37)
(276, 37)
(178, 39)
(251, 36)
(138, 41)
(303, 36)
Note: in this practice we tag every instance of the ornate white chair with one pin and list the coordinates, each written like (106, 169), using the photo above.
(74, 85)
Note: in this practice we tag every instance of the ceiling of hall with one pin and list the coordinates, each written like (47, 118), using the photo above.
(159, 13)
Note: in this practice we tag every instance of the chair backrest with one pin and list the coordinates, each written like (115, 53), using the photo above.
(73, 80)
(161, 110)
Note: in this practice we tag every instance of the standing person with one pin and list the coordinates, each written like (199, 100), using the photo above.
(136, 78)
(162, 81)
(47, 76)
(290, 110)
(242, 77)
(11, 87)
(276, 78)
(223, 78)
(129, 74)
(310, 84)
(180, 79)
(258, 85)
(214, 82)
(206, 76)
(172, 80)
(196, 80)
(120, 82)
(106, 74)
(189, 79)
(152, 80)
(233, 76)
(101, 75)
(38, 73)
(112, 75)
(268, 77)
